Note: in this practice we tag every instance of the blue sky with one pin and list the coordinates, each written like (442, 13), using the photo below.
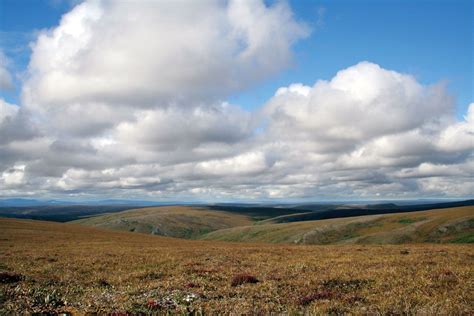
(432, 40)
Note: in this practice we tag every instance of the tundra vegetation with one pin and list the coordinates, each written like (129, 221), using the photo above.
(62, 267)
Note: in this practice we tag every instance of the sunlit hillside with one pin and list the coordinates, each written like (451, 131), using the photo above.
(174, 221)
(454, 225)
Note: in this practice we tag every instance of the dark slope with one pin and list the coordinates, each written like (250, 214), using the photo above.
(266, 212)
(60, 213)
(350, 211)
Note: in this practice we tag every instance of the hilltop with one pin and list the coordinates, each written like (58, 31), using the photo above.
(174, 221)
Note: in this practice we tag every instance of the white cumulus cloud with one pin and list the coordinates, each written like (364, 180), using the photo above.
(153, 53)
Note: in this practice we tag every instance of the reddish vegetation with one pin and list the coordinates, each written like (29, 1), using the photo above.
(243, 278)
(191, 285)
(153, 304)
(322, 295)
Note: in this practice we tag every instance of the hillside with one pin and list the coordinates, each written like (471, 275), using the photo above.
(319, 212)
(267, 212)
(445, 225)
(174, 221)
(54, 267)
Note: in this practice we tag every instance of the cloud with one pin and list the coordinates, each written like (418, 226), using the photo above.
(128, 99)
(156, 53)
(15, 124)
(6, 81)
(7, 110)
(244, 164)
(359, 129)
(110, 63)
(361, 102)
(459, 136)
(172, 128)
(13, 177)
(400, 140)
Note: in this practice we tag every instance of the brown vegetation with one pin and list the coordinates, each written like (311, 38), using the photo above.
(72, 268)
(172, 221)
(243, 278)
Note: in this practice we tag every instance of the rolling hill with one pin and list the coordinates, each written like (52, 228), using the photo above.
(309, 212)
(383, 224)
(444, 225)
(174, 221)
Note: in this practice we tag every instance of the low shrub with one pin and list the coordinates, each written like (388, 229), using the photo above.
(10, 277)
(243, 278)
(103, 283)
(321, 295)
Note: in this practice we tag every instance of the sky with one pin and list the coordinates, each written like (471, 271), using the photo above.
(236, 100)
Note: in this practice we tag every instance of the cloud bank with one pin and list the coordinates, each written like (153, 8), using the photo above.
(128, 99)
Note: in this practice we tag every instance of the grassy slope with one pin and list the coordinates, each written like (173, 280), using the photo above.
(174, 221)
(446, 225)
(67, 267)
(347, 210)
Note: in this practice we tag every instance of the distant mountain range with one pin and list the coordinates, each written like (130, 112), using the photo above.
(25, 202)
(21, 202)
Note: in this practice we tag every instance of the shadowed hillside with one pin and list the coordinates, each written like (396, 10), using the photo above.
(266, 212)
(309, 212)
(446, 225)
(174, 221)
(60, 213)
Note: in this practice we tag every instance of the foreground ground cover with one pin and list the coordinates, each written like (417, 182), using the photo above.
(51, 267)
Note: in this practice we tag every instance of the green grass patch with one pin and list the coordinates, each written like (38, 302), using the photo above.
(349, 235)
(410, 220)
(467, 238)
